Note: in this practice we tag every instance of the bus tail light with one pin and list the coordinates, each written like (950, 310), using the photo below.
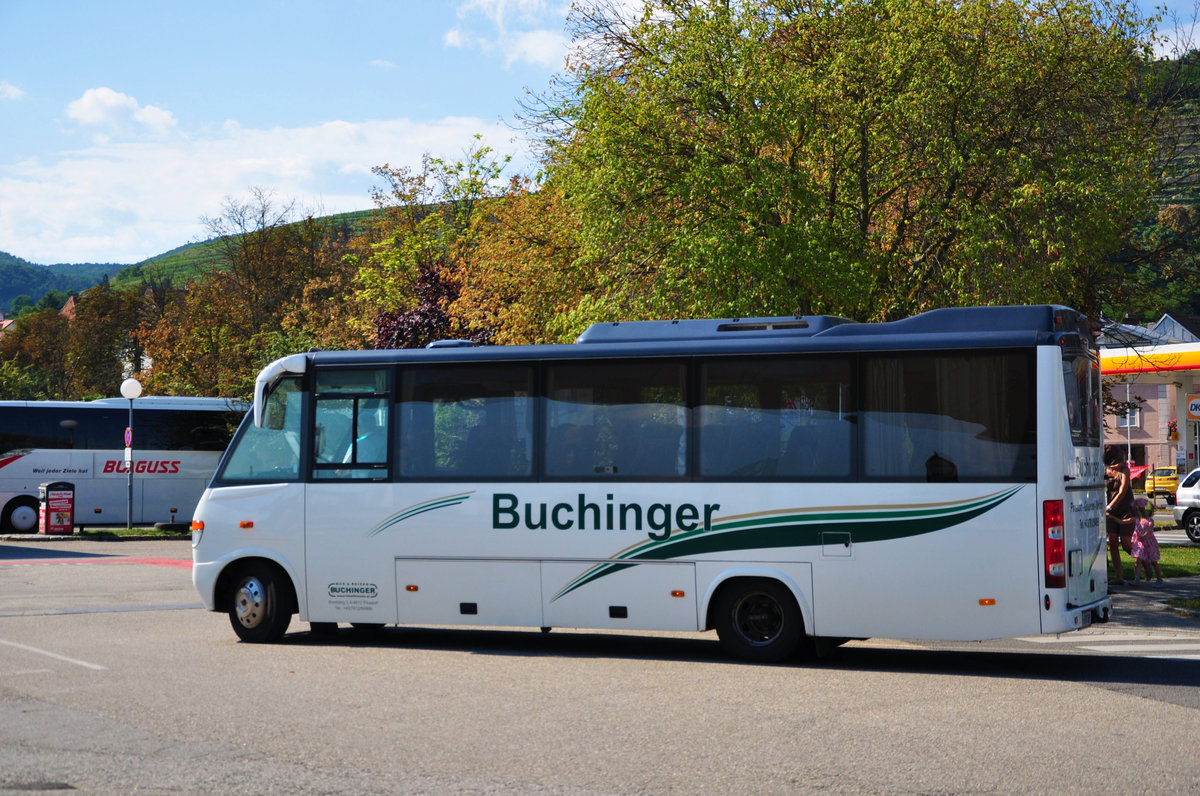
(1055, 547)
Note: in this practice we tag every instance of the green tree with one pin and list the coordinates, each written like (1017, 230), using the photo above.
(212, 338)
(51, 300)
(20, 383)
(527, 280)
(426, 233)
(872, 158)
(101, 347)
(20, 305)
(34, 351)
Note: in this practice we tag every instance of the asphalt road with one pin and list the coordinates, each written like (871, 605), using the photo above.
(113, 680)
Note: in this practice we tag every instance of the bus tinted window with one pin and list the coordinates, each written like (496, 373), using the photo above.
(41, 427)
(785, 417)
(270, 453)
(159, 429)
(949, 417)
(351, 424)
(1081, 378)
(624, 420)
(95, 428)
(467, 422)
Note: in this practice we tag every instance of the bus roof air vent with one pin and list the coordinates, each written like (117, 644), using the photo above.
(451, 344)
(767, 326)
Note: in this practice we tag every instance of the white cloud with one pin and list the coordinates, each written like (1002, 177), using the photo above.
(10, 92)
(541, 47)
(517, 29)
(124, 201)
(112, 113)
(382, 63)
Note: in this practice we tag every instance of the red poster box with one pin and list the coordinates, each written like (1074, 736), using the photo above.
(57, 510)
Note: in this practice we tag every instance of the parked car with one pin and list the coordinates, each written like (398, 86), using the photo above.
(1162, 482)
(1187, 505)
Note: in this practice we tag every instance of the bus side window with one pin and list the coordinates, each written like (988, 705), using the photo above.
(783, 417)
(464, 423)
(350, 428)
(616, 420)
(331, 441)
(940, 417)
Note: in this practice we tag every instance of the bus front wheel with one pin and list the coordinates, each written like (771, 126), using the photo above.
(20, 516)
(259, 609)
(757, 619)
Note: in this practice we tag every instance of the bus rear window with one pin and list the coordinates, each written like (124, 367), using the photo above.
(1081, 378)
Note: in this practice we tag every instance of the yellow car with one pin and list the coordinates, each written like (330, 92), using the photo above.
(1162, 481)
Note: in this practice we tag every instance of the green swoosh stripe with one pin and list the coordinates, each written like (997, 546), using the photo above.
(798, 528)
(419, 508)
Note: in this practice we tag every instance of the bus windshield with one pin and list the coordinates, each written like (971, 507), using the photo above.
(270, 452)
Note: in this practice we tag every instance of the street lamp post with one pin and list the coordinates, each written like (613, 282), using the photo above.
(1128, 425)
(130, 388)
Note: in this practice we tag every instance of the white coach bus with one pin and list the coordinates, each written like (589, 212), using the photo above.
(790, 482)
(177, 444)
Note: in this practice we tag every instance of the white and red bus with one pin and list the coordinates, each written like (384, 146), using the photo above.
(177, 443)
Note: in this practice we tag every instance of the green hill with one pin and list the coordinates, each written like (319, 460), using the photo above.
(21, 277)
(179, 264)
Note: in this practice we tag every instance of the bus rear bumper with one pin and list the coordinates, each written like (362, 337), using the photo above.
(1077, 617)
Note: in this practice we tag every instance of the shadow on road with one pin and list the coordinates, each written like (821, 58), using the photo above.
(32, 553)
(1112, 671)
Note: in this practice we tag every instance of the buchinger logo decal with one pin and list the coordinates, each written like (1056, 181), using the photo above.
(161, 467)
(583, 513)
(354, 596)
(367, 590)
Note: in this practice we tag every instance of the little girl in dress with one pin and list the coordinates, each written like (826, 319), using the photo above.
(1144, 544)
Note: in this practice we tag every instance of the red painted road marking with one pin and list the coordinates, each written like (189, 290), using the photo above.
(157, 562)
(154, 562)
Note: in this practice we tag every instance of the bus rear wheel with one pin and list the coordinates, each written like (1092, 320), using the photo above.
(259, 610)
(20, 516)
(758, 620)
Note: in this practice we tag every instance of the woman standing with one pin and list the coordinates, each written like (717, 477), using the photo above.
(1118, 514)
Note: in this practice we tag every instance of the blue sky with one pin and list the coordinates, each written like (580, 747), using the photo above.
(124, 122)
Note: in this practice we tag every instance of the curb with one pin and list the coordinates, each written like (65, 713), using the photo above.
(92, 536)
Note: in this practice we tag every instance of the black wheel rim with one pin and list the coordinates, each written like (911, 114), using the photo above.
(758, 618)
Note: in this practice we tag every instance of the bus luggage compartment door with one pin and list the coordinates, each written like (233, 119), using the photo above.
(606, 594)
(468, 592)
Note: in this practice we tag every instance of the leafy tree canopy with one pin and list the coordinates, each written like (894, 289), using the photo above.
(871, 158)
